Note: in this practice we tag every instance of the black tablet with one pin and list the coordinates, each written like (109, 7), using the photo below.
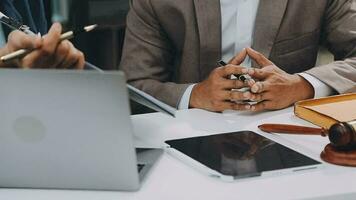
(239, 155)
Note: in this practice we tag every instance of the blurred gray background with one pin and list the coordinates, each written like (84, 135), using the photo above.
(102, 47)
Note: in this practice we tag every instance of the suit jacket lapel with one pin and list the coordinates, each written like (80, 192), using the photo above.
(208, 16)
(268, 20)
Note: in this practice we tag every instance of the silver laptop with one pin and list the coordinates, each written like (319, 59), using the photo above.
(68, 130)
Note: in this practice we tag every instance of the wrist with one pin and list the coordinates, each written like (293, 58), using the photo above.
(306, 89)
(194, 97)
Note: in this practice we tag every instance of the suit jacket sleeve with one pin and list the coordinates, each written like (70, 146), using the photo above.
(148, 55)
(339, 35)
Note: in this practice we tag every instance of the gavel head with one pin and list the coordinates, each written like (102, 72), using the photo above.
(343, 135)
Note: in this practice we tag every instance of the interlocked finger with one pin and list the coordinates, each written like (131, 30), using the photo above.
(260, 96)
(234, 84)
(260, 86)
(261, 106)
(228, 70)
(241, 106)
(239, 96)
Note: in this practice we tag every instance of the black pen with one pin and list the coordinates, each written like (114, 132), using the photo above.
(65, 36)
(241, 77)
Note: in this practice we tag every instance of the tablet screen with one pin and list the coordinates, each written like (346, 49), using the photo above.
(240, 154)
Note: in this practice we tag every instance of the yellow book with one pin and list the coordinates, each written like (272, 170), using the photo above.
(325, 112)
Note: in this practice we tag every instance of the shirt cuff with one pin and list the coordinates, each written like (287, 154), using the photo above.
(184, 101)
(320, 88)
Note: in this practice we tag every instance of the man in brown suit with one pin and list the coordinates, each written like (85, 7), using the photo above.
(171, 49)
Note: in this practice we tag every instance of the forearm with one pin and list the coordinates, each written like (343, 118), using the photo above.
(340, 38)
(340, 75)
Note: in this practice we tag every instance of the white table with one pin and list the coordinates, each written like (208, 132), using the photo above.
(172, 179)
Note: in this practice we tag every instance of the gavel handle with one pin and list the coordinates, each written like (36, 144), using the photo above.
(292, 129)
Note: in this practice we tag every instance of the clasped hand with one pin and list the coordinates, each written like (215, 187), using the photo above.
(271, 87)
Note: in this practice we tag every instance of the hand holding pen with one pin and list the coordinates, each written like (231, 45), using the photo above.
(218, 91)
(48, 51)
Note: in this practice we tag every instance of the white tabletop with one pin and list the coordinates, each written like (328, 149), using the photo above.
(172, 179)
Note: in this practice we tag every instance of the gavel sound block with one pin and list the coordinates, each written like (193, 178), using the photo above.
(342, 137)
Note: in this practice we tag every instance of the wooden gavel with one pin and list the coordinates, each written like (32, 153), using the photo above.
(341, 135)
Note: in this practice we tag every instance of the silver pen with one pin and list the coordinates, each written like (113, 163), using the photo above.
(13, 24)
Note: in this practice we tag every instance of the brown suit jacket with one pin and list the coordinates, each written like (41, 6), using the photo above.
(170, 44)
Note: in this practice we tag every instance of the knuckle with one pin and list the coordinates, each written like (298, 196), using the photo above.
(239, 96)
(233, 95)
(227, 69)
(238, 107)
(45, 51)
(239, 84)
(256, 97)
(81, 55)
(72, 56)
(231, 106)
(67, 46)
(236, 83)
(260, 97)
(63, 49)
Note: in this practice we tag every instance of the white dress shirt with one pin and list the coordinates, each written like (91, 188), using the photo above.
(237, 26)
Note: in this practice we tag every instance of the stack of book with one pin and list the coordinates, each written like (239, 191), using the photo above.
(325, 112)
